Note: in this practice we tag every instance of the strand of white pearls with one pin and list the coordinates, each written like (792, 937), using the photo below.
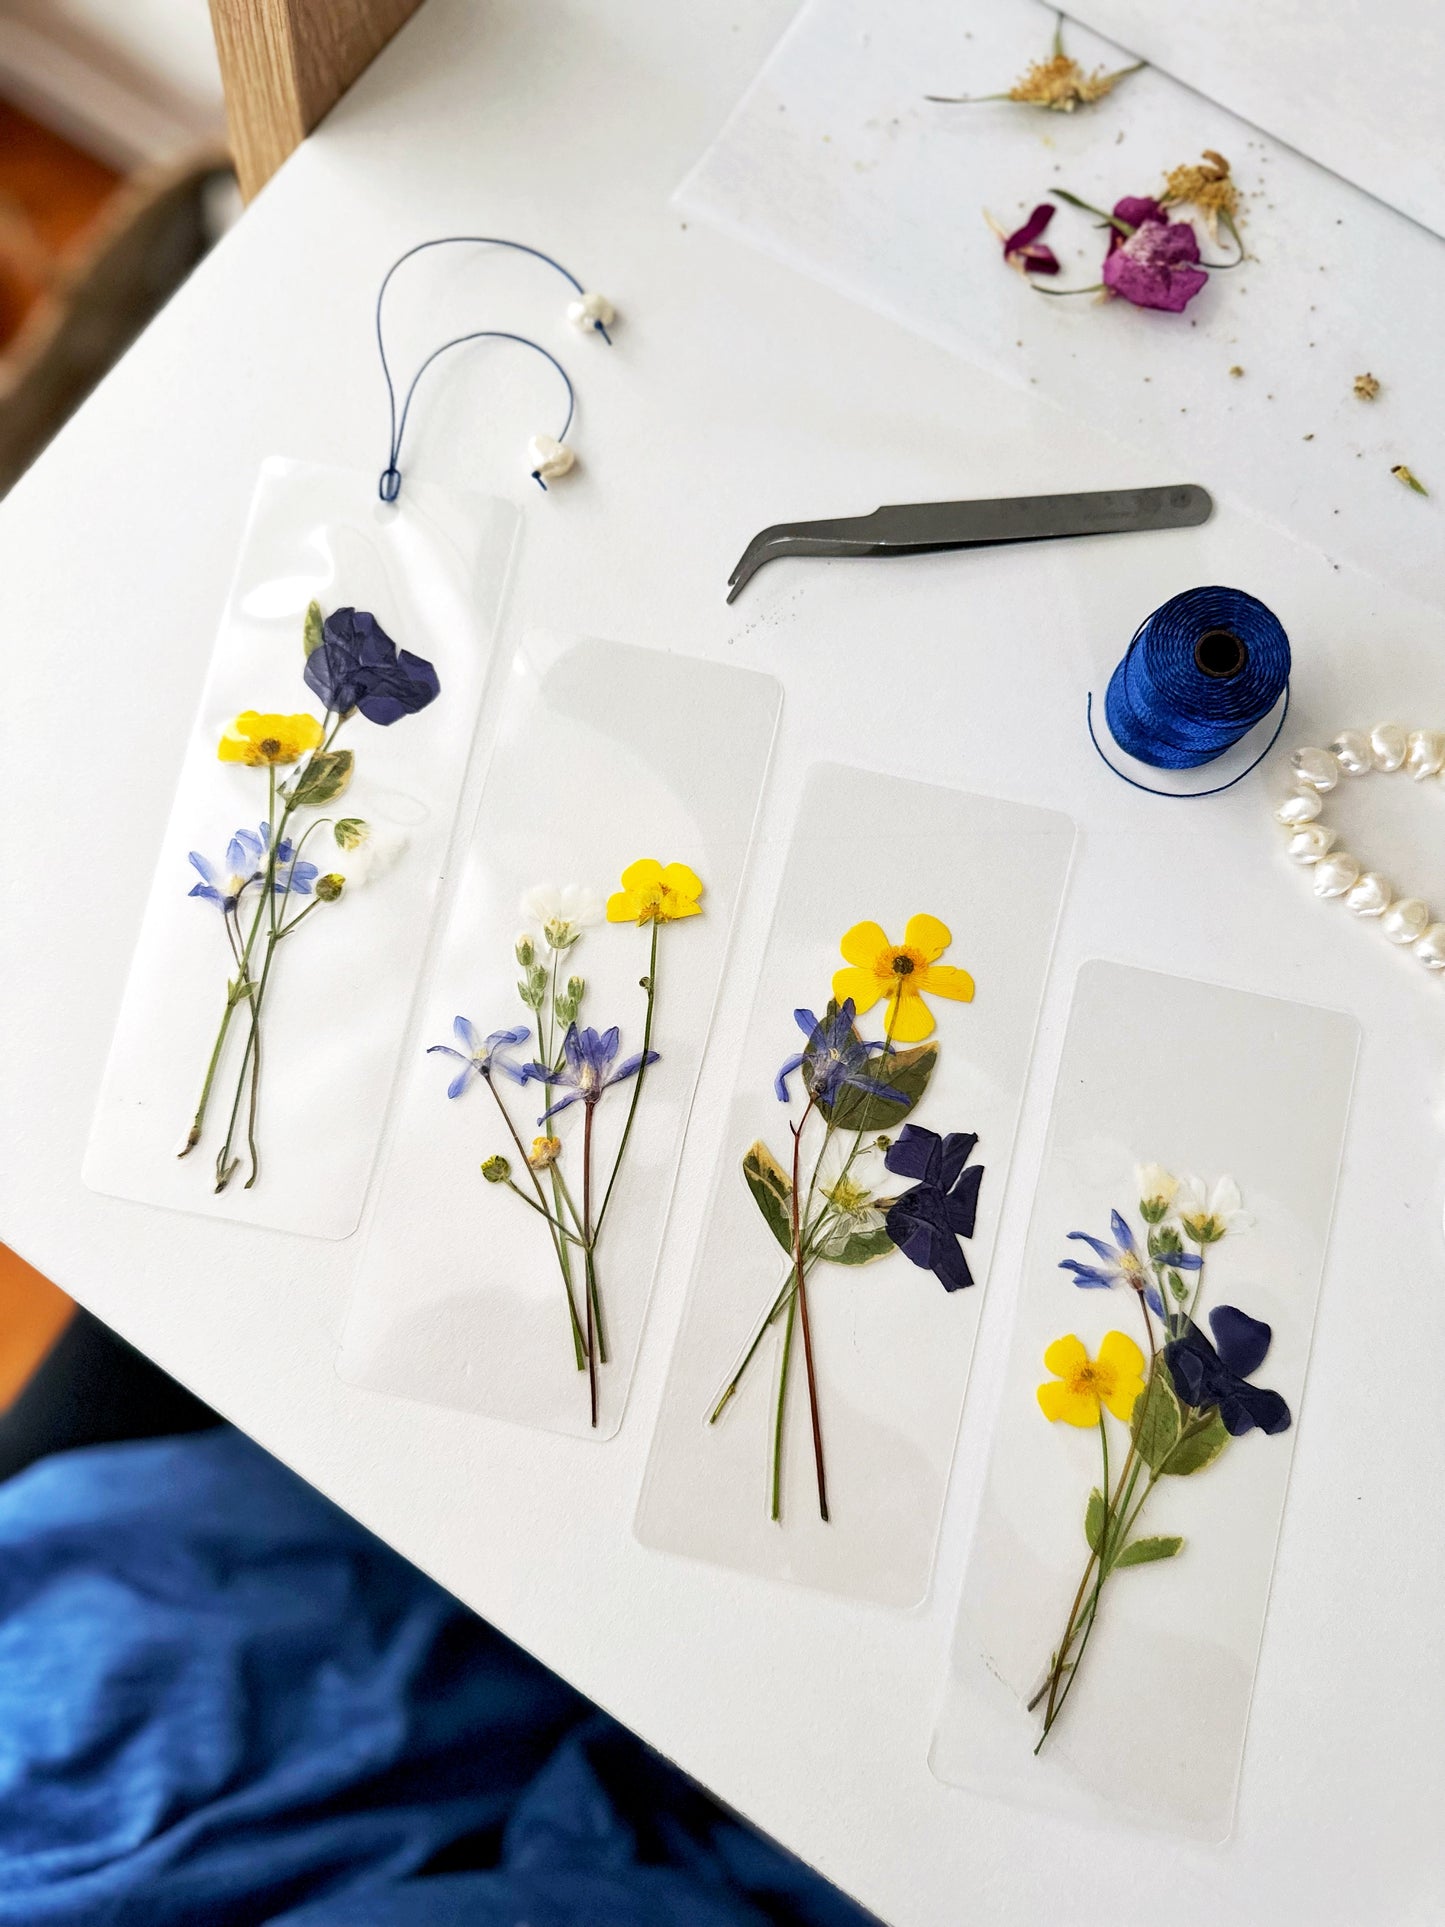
(1387, 747)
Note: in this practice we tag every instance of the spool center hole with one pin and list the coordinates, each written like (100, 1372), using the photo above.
(1220, 653)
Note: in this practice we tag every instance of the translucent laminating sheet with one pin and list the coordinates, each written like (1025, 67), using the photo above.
(1196, 1140)
(377, 791)
(608, 757)
(950, 888)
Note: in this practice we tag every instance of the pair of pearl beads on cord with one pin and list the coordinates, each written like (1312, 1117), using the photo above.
(548, 458)
(1406, 921)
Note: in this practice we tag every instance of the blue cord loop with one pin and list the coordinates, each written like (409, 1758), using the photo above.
(389, 485)
(1202, 671)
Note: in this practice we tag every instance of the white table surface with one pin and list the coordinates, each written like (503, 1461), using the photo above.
(738, 393)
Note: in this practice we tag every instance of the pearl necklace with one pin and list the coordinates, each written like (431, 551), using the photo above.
(1421, 752)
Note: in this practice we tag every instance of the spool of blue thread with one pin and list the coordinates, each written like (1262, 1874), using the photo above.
(1202, 671)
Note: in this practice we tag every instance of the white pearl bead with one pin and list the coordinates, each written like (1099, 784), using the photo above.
(1335, 874)
(1387, 740)
(1406, 920)
(1317, 768)
(1352, 749)
(1303, 807)
(1311, 842)
(1431, 947)
(590, 308)
(548, 457)
(1425, 754)
(1371, 895)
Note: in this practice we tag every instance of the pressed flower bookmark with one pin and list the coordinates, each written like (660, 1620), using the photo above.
(291, 905)
(520, 1218)
(1132, 1499)
(809, 1417)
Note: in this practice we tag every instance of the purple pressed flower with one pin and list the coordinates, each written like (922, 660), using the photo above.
(482, 1056)
(1157, 265)
(835, 1058)
(587, 1067)
(356, 665)
(927, 1222)
(1217, 1374)
(1023, 249)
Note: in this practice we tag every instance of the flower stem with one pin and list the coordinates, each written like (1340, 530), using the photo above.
(800, 1264)
(587, 1236)
(776, 1512)
(638, 1080)
(558, 1246)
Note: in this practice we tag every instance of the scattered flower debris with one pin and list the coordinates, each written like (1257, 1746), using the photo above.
(1058, 84)
(1403, 474)
(1366, 387)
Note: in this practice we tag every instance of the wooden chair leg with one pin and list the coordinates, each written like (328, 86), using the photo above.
(286, 63)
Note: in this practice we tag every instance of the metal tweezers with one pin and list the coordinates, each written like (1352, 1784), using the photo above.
(923, 528)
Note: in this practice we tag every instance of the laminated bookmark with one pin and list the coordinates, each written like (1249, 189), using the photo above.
(809, 1418)
(519, 1220)
(288, 918)
(1116, 1589)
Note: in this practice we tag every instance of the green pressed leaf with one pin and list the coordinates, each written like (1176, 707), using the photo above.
(1144, 1552)
(772, 1192)
(351, 833)
(1197, 1448)
(1094, 1519)
(906, 1074)
(862, 1248)
(311, 636)
(323, 779)
(1156, 1422)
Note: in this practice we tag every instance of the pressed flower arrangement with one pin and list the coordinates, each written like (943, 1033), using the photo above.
(266, 886)
(859, 1182)
(559, 1179)
(1181, 1399)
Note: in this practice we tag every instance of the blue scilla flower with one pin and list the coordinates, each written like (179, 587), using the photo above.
(245, 863)
(482, 1056)
(1122, 1262)
(587, 1068)
(1218, 1374)
(835, 1058)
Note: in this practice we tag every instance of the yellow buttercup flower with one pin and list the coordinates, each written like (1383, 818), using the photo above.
(1081, 1385)
(262, 740)
(901, 972)
(654, 893)
(544, 1153)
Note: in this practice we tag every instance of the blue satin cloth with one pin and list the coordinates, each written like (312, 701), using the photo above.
(223, 1702)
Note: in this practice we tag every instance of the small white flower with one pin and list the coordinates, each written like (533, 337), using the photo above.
(1155, 1186)
(371, 859)
(848, 1191)
(562, 911)
(1208, 1215)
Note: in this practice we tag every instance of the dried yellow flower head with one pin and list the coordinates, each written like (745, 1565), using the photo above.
(1061, 84)
(1207, 185)
(1366, 387)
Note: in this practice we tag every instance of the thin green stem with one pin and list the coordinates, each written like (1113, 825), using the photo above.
(777, 1496)
(589, 1239)
(638, 1080)
(557, 1244)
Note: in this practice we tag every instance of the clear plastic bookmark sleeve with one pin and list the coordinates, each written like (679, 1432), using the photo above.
(517, 1227)
(298, 876)
(933, 914)
(1113, 1606)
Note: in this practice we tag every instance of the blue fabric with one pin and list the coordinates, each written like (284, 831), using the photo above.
(222, 1701)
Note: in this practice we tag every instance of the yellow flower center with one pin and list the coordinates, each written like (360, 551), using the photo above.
(897, 965)
(848, 1197)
